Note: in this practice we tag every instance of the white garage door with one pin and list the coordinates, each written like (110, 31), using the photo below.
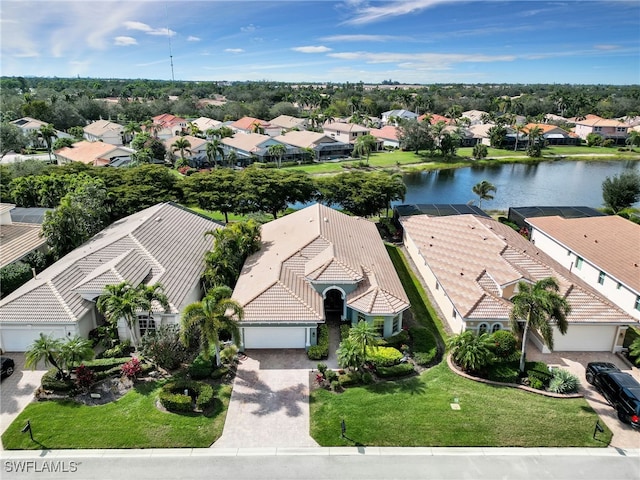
(19, 339)
(274, 337)
(585, 338)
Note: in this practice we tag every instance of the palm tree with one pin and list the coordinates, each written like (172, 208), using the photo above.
(633, 139)
(122, 301)
(181, 145)
(215, 149)
(534, 147)
(363, 336)
(277, 151)
(75, 350)
(470, 351)
(48, 132)
(539, 306)
(256, 127)
(519, 129)
(130, 130)
(348, 356)
(365, 145)
(483, 190)
(151, 127)
(47, 349)
(153, 293)
(216, 312)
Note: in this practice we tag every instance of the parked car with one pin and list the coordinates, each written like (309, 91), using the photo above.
(620, 389)
(8, 365)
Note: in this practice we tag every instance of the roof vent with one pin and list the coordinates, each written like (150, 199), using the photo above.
(326, 220)
(159, 219)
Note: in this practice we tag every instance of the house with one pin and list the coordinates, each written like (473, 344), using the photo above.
(30, 128)
(323, 147)
(287, 122)
(392, 116)
(250, 147)
(162, 244)
(476, 117)
(317, 265)
(345, 132)
(520, 215)
(472, 266)
(197, 153)
(255, 125)
(167, 125)
(205, 124)
(552, 134)
(98, 154)
(434, 118)
(17, 238)
(104, 131)
(606, 128)
(603, 251)
(388, 135)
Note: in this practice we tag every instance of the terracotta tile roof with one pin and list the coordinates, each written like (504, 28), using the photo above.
(595, 121)
(247, 142)
(100, 127)
(18, 239)
(196, 142)
(473, 258)
(612, 243)
(205, 123)
(344, 127)
(434, 118)
(168, 120)
(388, 132)
(94, 153)
(287, 121)
(322, 245)
(164, 243)
(304, 139)
(246, 123)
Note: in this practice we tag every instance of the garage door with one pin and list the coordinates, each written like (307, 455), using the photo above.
(19, 339)
(585, 338)
(274, 337)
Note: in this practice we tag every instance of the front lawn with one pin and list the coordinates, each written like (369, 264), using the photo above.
(417, 412)
(131, 422)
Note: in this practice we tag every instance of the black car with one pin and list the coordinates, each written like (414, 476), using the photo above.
(620, 389)
(8, 365)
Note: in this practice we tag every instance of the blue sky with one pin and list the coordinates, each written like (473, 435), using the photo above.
(410, 41)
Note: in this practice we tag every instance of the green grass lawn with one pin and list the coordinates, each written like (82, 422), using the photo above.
(131, 422)
(417, 412)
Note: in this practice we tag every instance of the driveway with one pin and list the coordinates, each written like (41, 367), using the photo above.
(17, 390)
(624, 436)
(269, 405)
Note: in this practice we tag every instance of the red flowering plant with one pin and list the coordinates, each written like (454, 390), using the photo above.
(84, 377)
(132, 368)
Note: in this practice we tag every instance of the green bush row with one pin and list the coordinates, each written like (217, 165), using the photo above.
(51, 382)
(398, 370)
(321, 350)
(344, 331)
(383, 356)
(102, 364)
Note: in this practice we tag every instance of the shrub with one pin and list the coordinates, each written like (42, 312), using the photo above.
(321, 350)
(205, 396)
(505, 372)
(317, 352)
(104, 364)
(335, 385)
(132, 368)
(539, 371)
(322, 367)
(563, 382)
(50, 381)
(344, 331)
(536, 383)
(504, 343)
(173, 399)
(121, 350)
(163, 347)
(383, 356)
(218, 373)
(398, 370)
(349, 379)
(228, 354)
(396, 340)
(470, 351)
(200, 367)
(366, 378)
(175, 402)
(330, 375)
(424, 345)
(424, 358)
(84, 377)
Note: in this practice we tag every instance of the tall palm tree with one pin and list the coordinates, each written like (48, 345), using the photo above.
(48, 133)
(483, 190)
(519, 130)
(633, 139)
(365, 145)
(363, 336)
(130, 131)
(181, 145)
(538, 306)
(277, 151)
(216, 312)
(75, 350)
(215, 149)
(47, 349)
(122, 301)
(153, 293)
(151, 127)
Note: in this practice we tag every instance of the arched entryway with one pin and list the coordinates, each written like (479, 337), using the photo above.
(333, 305)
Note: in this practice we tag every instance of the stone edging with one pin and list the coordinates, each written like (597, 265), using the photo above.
(459, 372)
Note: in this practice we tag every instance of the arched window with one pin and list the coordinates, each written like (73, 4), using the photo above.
(146, 324)
(496, 327)
(482, 328)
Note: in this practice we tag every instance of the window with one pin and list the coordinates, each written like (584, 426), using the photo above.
(455, 315)
(496, 327)
(619, 286)
(568, 252)
(146, 324)
(437, 285)
(579, 262)
(396, 323)
(378, 324)
(597, 129)
(601, 278)
(482, 328)
(638, 302)
(361, 317)
(621, 129)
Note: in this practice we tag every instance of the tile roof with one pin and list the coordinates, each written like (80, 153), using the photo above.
(100, 127)
(434, 118)
(205, 123)
(246, 123)
(168, 120)
(546, 129)
(95, 153)
(388, 132)
(344, 127)
(287, 121)
(325, 246)
(612, 243)
(474, 258)
(18, 239)
(304, 139)
(165, 243)
(195, 142)
(247, 142)
(595, 121)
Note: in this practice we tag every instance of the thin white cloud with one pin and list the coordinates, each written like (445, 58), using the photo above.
(248, 28)
(362, 38)
(312, 49)
(368, 13)
(606, 47)
(234, 50)
(191, 38)
(124, 41)
(437, 61)
(149, 30)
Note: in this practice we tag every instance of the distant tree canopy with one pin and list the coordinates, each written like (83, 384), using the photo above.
(621, 191)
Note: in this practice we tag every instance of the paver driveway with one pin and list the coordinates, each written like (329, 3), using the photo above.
(269, 405)
(16, 391)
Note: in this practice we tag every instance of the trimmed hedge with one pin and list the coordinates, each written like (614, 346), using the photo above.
(179, 402)
(383, 356)
(51, 382)
(321, 350)
(200, 368)
(103, 364)
(399, 370)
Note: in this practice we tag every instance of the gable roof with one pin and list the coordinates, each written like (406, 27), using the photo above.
(18, 239)
(168, 120)
(611, 243)
(434, 118)
(101, 127)
(547, 129)
(247, 123)
(400, 113)
(96, 153)
(28, 123)
(596, 121)
(345, 127)
(304, 139)
(474, 257)
(287, 121)
(196, 142)
(321, 245)
(205, 123)
(165, 243)
(388, 132)
(249, 142)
